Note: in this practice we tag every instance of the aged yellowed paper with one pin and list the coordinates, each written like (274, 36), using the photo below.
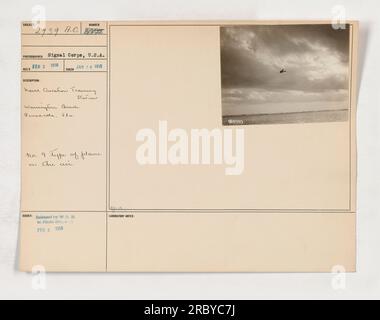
(188, 146)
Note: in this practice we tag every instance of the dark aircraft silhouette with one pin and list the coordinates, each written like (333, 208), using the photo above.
(282, 71)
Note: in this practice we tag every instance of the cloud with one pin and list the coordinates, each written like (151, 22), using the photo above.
(314, 56)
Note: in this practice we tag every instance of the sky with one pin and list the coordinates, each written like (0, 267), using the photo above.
(315, 57)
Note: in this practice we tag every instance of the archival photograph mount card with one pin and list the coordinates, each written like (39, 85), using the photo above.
(193, 146)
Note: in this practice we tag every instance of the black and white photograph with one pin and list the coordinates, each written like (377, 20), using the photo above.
(285, 73)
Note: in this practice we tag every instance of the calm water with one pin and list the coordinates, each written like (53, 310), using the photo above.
(293, 117)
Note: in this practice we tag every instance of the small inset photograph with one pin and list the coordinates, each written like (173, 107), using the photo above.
(285, 74)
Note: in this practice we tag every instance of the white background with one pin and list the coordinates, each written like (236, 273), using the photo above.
(364, 284)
